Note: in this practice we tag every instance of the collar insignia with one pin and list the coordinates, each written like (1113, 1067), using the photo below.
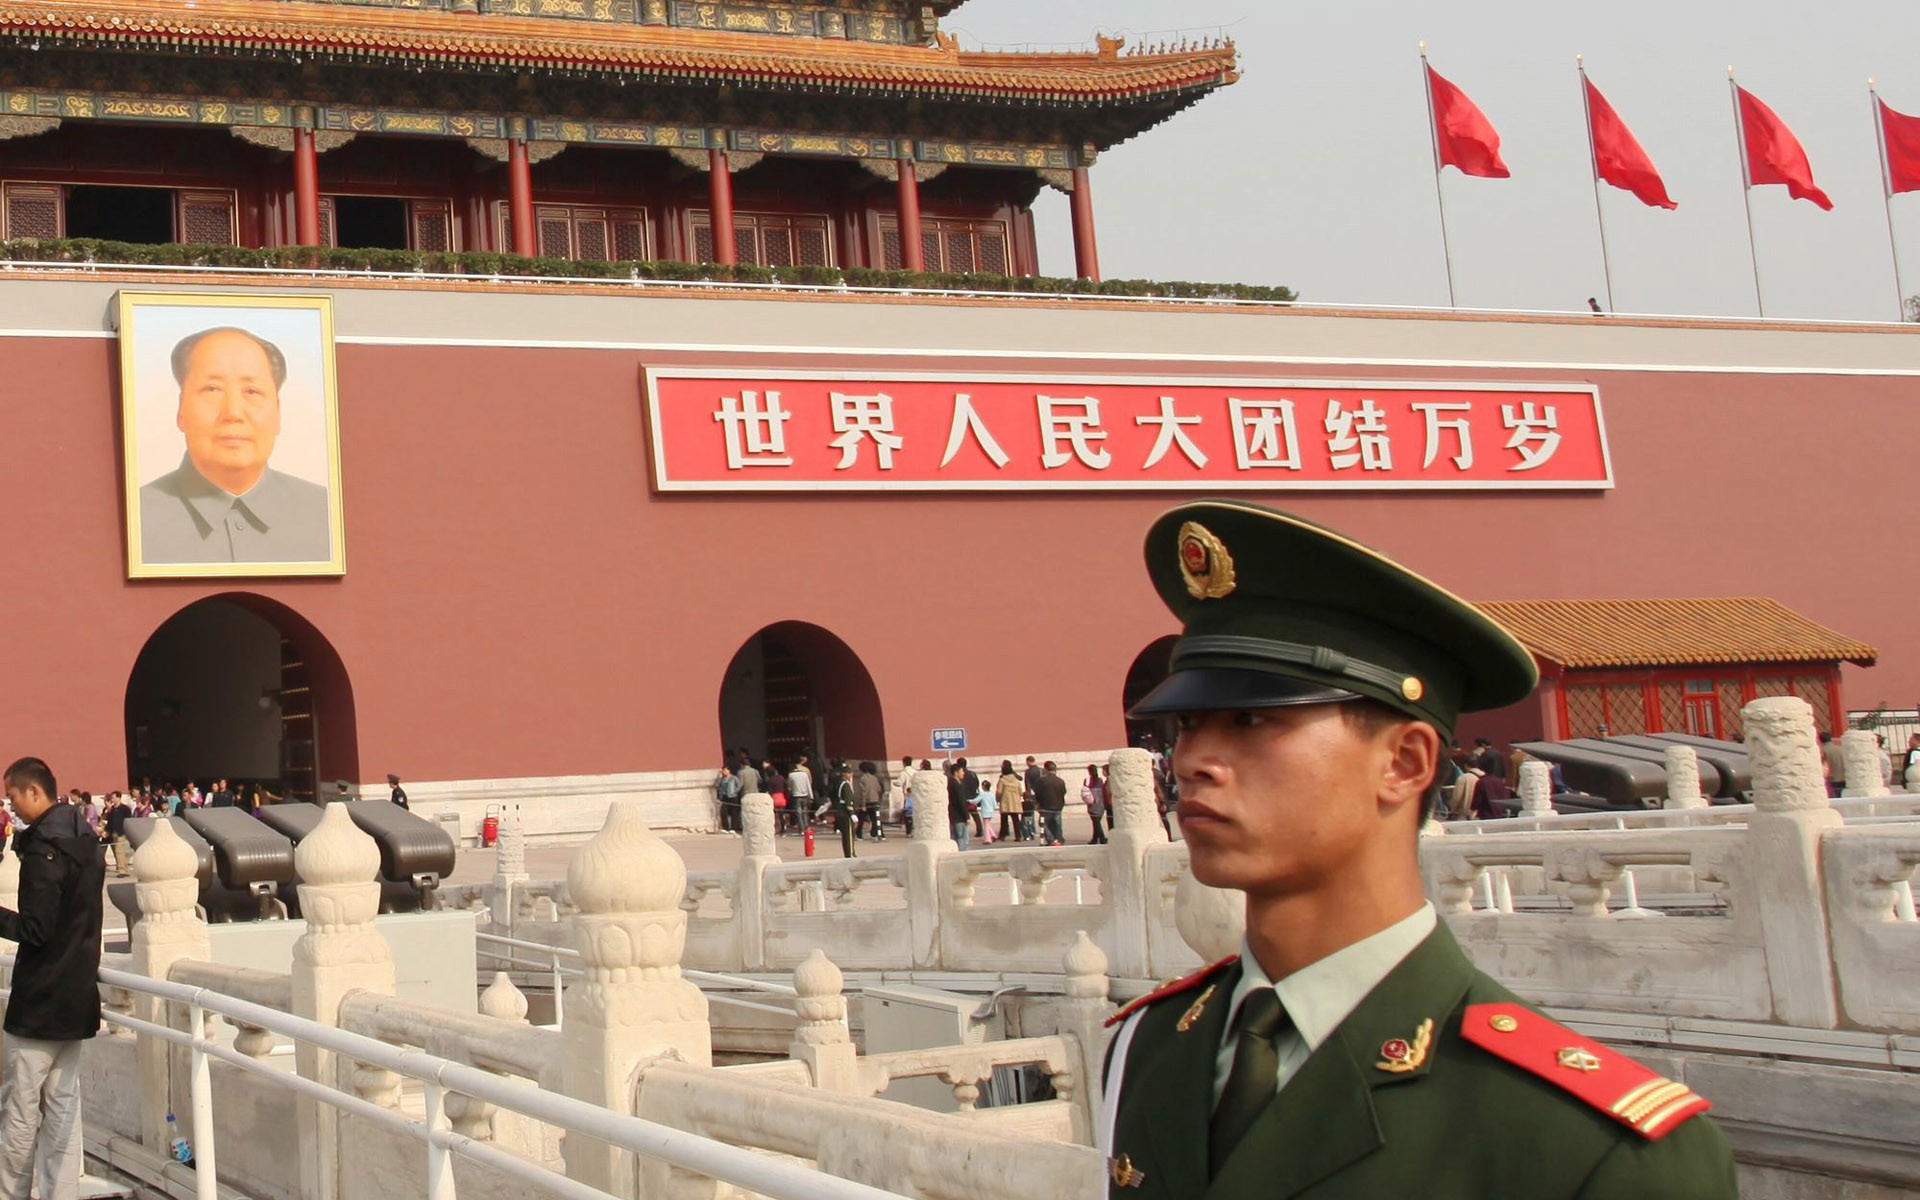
(1199, 1006)
(1205, 564)
(1399, 1056)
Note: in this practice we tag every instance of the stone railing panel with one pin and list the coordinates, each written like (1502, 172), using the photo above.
(1708, 966)
(900, 1149)
(1025, 935)
(1870, 884)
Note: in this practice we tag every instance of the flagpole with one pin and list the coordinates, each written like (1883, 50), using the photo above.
(1886, 194)
(1433, 136)
(1746, 189)
(1593, 160)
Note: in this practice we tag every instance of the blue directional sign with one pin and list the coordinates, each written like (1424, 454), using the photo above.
(947, 741)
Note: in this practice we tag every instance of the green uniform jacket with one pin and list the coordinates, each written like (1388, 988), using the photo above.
(1465, 1123)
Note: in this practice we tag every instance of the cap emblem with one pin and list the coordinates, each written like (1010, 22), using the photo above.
(1412, 689)
(1205, 564)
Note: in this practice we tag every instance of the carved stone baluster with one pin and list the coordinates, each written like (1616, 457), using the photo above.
(1862, 751)
(1588, 876)
(1683, 778)
(632, 1003)
(821, 1039)
(170, 930)
(341, 951)
(1536, 789)
(1791, 816)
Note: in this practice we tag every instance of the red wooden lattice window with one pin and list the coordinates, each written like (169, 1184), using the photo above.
(769, 239)
(205, 218)
(34, 210)
(950, 245)
(430, 225)
(583, 232)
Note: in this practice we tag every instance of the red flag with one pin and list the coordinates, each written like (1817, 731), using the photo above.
(1774, 155)
(1617, 156)
(1902, 136)
(1464, 137)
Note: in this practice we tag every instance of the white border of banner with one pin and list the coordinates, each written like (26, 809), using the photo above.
(663, 482)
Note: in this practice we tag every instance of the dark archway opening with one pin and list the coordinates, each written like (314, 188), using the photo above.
(795, 689)
(242, 688)
(1149, 668)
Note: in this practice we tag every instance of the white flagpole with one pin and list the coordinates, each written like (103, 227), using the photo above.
(1433, 135)
(1593, 160)
(1886, 194)
(1746, 189)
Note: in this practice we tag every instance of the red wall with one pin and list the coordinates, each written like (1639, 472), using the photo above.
(518, 603)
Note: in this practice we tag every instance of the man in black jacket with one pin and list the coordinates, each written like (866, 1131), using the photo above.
(56, 984)
(1050, 797)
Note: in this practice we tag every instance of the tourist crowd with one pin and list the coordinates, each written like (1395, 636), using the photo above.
(1015, 804)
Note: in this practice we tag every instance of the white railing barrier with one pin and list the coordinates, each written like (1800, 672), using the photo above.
(440, 1077)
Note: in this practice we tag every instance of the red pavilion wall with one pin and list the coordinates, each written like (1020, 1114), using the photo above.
(518, 603)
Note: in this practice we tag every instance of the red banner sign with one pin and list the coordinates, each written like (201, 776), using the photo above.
(719, 431)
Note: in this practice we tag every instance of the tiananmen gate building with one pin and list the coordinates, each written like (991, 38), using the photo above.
(554, 542)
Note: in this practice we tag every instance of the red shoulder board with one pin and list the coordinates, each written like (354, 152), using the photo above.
(1648, 1104)
(1185, 983)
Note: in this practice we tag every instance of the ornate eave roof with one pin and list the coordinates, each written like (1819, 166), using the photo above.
(1103, 78)
(1593, 634)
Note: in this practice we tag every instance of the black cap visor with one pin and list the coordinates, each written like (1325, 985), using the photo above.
(1217, 689)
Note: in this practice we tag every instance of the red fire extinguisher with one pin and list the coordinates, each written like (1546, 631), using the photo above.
(490, 828)
(806, 840)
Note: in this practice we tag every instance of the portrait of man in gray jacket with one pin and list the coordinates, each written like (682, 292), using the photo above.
(224, 503)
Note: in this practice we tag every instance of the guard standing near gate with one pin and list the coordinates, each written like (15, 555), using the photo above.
(1351, 1049)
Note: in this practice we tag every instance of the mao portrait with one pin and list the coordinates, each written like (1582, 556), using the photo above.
(230, 427)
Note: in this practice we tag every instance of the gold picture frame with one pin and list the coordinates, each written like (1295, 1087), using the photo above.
(230, 436)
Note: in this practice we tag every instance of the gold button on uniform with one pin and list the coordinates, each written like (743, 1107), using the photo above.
(1504, 1024)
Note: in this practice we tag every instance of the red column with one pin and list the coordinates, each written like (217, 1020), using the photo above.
(720, 207)
(913, 255)
(520, 198)
(1086, 248)
(306, 189)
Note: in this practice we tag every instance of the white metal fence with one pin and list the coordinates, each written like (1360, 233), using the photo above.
(438, 1078)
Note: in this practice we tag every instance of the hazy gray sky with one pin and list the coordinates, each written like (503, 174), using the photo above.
(1315, 171)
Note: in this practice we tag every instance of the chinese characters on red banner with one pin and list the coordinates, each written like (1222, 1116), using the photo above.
(718, 431)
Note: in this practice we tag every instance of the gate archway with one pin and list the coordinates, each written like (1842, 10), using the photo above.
(795, 688)
(243, 688)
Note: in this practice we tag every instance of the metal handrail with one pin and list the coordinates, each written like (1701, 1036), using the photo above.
(742, 1167)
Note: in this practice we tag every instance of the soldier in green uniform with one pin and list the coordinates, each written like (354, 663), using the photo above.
(1351, 1049)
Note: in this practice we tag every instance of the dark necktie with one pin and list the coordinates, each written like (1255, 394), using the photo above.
(1250, 1083)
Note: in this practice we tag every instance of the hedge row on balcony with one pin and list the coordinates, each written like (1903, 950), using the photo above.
(487, 265)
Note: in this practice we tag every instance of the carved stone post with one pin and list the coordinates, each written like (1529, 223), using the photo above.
(633, 1004)
(340, 952)
(1136, 829)
(1083, 1015)
(1862, 751)
(1683, 778)
(509, 872)
(1536, 789)
(1791, 815)
(750, 896)
(166, 887)
(822, 1041)
(932, 841)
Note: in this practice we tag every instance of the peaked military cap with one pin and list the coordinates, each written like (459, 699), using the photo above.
(1281, 611)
